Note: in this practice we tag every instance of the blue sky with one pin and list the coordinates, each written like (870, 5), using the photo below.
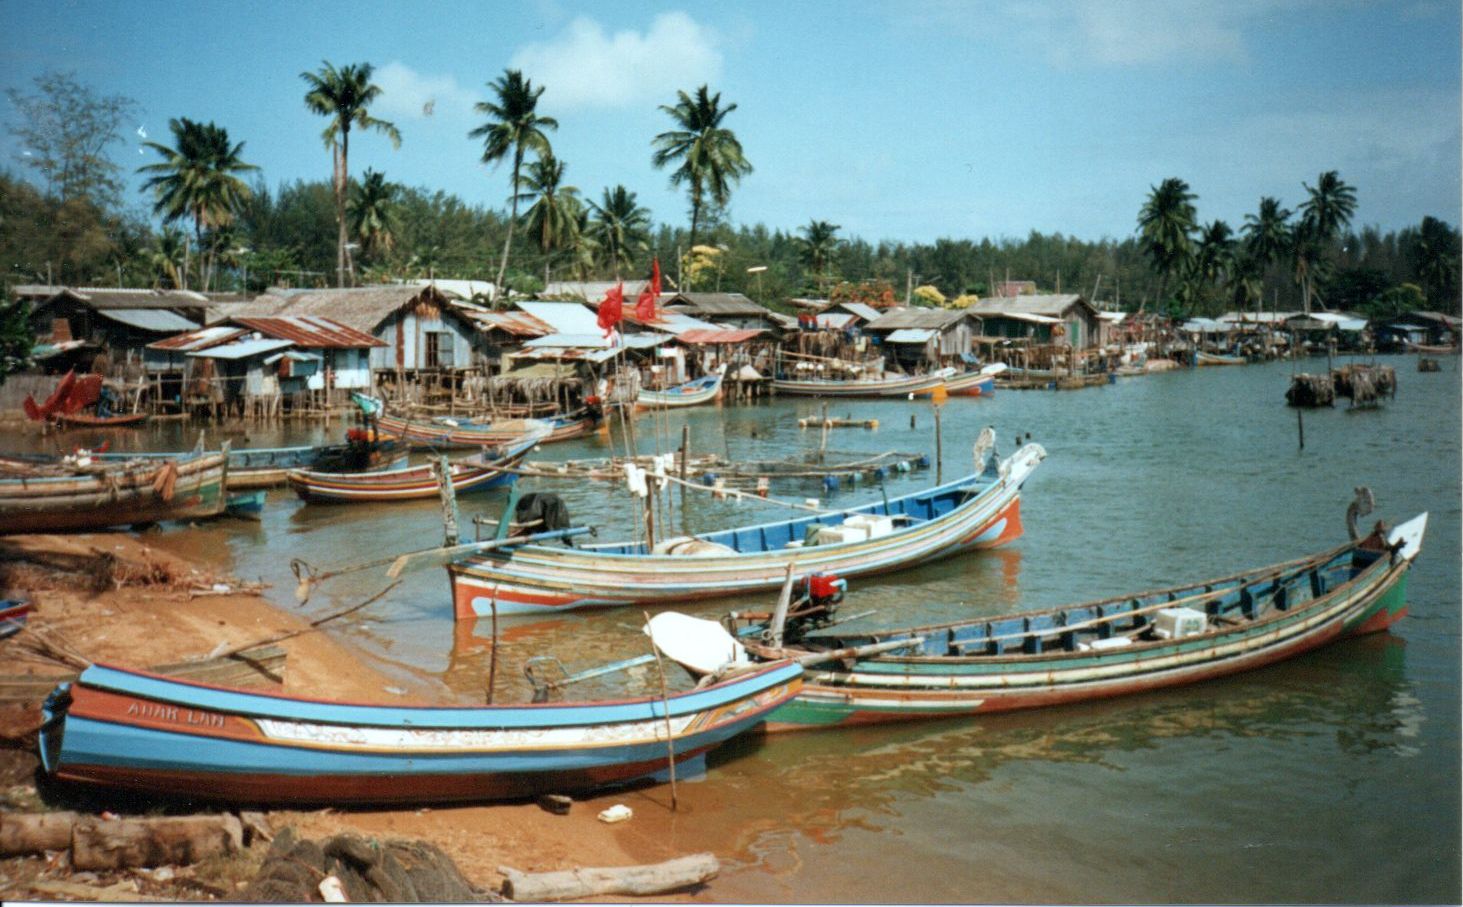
(907, 120)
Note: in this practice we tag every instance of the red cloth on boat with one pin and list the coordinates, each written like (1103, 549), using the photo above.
(611, 309)
(645, 303)
(85, 391)
(53, 402)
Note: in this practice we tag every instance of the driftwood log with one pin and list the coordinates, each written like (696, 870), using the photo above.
(655, 878)
(97, 843)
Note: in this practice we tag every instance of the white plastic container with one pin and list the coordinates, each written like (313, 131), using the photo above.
(875, 526)
(1176, 623)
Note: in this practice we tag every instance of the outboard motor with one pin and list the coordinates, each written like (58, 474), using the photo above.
(540, 512)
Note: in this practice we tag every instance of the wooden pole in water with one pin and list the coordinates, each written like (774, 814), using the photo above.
(449, 500)
(665, 701)
(939, 450)
(685, 457)
(493, 655)
(1300, 427)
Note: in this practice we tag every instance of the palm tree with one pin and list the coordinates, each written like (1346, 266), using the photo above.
(1164, 227)
(554, 215)
(344, 95)
(711, 157)
(515, 127)
(373, 212)
(816, 246)
(1214, 257)
(1323, 216)
(1266, 235)
(1434, 252)
(167, 257)
(197, 178)
(620, 227)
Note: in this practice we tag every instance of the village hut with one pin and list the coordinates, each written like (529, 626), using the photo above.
(918, 339)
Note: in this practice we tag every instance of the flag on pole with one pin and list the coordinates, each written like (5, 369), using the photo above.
(645, 304)
(611, 310)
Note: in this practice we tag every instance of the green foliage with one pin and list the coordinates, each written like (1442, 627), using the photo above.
(710, 155)
(620, 227)
(65, 132)
(372, 213)
(553, 217)
(514, 126)
(1165, 227)
(816, 247)
(16, 339)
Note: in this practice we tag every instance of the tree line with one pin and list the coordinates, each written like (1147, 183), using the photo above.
(221, 227)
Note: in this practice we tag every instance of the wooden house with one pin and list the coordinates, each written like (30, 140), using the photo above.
(75, 326)
(918, 339)
(727, 310)
(1053, 318)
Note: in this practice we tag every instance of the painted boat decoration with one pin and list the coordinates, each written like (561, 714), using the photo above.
(266, 467)
(979, 511)
(979, 383)
(442, 433)
(152, 733)
(888, 386)
(693, 393)
(88, 420)
(479, 472)
(1203, 358)
(1056, 656)
(13, 616)
(85, 495)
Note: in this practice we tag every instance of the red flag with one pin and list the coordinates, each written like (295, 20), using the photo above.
(645, 304)
(611, 309)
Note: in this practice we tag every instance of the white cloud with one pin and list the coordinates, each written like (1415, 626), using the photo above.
(409, 95)
(586, 66)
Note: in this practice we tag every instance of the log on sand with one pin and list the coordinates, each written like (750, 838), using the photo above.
(97, 843)
(655, 878)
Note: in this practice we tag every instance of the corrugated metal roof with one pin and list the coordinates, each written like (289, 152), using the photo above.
(1028, 317)
(124, 298)
(311, 331)
(1053, 305)
(198, 340)
(674, 322)
(565, 317)
(160, 320)
(361, 308)
(895, 319)
(861, 309)
(910, 335)
(591, 291)
(293, 356)
(717, 335)
(836, 320)
(716, 304)
(519, 324)
(242, 349)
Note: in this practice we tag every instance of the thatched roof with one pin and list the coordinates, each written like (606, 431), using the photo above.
(1052, 305)
(931, 319)
(361, 308)
(708, 304)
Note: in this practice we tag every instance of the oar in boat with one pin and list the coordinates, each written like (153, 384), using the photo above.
(309, 577)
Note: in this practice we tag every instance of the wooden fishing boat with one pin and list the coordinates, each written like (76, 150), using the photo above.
(149, 732)
(978, 511)
(442, 433)
(93, 495)
(89, 420)
(479, 472)
(692, 393)
(1112, 647)
(1432, 349)
(1203, 358)
(246, 505)
(13, 616)
(979, 383)
(887, 386)
(266, 467)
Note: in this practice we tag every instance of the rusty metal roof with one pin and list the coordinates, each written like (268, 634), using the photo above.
(198, 340)
(519, 324)
(699, 336)
(312, 331)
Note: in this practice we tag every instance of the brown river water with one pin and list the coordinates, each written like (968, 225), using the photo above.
(1330, 778)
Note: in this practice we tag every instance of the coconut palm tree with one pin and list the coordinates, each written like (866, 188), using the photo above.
(1266, 235)
(710, 156)
(167, 257)
(1434, 252)
(515, 128)
(373, 213)
(1165, 225)
(816, 246)
(1325, 213)
(619, 226)
(198, 179)
(554, 215)
(344, 95)
(1214, 256)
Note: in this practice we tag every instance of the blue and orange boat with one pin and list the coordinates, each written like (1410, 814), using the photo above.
(479, 472)
(147, 732)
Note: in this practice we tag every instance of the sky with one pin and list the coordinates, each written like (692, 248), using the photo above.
(906, 120)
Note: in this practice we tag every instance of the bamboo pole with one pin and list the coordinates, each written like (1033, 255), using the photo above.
(670, 745)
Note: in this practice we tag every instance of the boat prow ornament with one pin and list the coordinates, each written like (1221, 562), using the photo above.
(985, 448)
(1360, 507)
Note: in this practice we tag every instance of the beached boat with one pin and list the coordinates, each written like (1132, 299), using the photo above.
(13, 615)
(979, 383)
(1432, 349)
(692, 393)
(1203, 358)
(479, 472)
(887, 386)
(1095, 650)
(90, 420)
(52, 497)
(152, 733)
(978, 511)
(443, 433)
